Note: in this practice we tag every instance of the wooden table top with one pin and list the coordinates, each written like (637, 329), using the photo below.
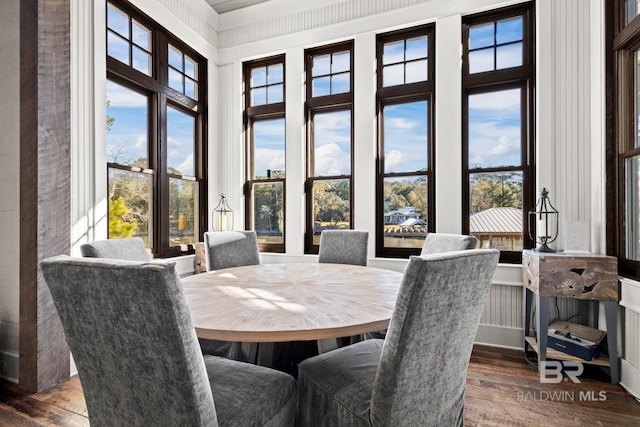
(290, 302)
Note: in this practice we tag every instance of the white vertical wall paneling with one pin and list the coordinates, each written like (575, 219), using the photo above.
(295, 151)
(82, 124)
(365, 136)
(448, 116)
(630, 356)
(597, 131)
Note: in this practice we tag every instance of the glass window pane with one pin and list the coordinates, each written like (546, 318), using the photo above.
(331, 206)
(259, 76)
(417, 48)
(405, 212)
(341, 62)
(496, 215)
(495, 129)
(405, 137)
(481, 36)
(417, 71)
(393, 75)
(190, 88)
(259, 96)
(321, 65)
(190, 67)
(175, 80)
(117, 21)
(509, 30)
(117, 48)
(130, 204)
(127, 126)
(268, 212)
(275, 74)
(632, 9)
(141, 36)
(269, 149)
(636, 70)
(275, 94)
(175, 58)
(393, 52)
(340, 83)
(509, 56)
(321, 86)
(141, 61)
(481, 60)
(180, 142)
(332, 143)
(632, 202)
(183, 204)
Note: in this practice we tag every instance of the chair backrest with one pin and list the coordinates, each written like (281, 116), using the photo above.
(131, 249)
(442, 242)
(133, 342)
(423, 366)
(343, 247)
(226, 249)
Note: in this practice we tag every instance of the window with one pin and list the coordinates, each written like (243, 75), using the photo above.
(624, 157)
(498, 149)
(329, 110)
(156, 134)
(405, 185)
(265, 131)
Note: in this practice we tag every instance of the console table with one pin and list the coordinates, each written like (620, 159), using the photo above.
(568, 275)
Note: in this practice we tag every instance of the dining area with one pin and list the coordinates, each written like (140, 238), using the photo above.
(391, 348)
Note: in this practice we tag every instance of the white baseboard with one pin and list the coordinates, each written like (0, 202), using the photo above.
(630, 378)
(497, 336)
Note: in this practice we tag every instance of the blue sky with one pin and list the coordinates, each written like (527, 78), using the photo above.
(405, 137)
(495, 129)
(332, 143)
(127, 141)
(269, 149)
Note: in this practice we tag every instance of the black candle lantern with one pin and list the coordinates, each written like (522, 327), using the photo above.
(222, 216)
(547, 227)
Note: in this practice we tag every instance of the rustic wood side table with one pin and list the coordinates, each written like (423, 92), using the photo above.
(570, 275)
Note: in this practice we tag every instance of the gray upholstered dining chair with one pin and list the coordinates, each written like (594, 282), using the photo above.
(131, 248)
(417, 375)
(225, 249)
(131, 335)
(343, 247)
(443, 242)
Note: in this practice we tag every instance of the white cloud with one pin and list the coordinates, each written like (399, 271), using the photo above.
(119, 96)
(268, 159)
(394, 158)
(505, 100)
(399, 124)
(331, 160)
(186, 167)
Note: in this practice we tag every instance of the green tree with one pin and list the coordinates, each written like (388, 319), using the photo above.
(118, 226)
(496, 190)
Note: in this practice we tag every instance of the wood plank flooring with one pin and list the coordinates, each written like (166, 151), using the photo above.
(502, 390)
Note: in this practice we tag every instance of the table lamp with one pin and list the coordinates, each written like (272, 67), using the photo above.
(543, 216)
(222, 216)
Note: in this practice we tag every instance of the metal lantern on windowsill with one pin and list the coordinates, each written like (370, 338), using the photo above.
(222, 215)
(545, 216)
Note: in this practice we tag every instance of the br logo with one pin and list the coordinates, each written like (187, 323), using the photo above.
(551, 371)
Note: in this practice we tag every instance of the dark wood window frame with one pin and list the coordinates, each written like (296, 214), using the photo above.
(251, 115)
(161, 95)
(621, 42)
(400, 94)
(490, 81)
(325, 104)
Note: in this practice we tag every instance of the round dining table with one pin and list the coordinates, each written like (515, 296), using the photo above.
(270, 303)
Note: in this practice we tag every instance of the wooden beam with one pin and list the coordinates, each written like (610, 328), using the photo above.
(45, 184)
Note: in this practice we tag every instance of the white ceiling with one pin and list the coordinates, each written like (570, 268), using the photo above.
(222, 6)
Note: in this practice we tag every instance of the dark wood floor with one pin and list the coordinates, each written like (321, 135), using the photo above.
(502, 390)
